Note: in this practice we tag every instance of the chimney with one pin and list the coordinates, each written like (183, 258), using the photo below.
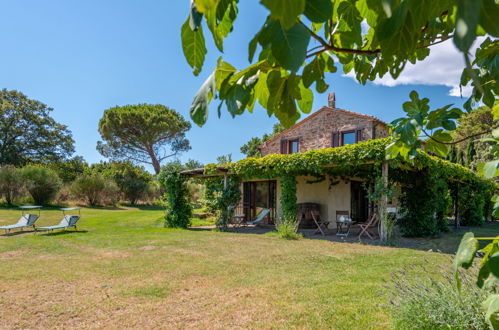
(331, 100)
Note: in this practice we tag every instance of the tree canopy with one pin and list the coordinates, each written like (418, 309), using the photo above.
(370, 38)
(143, 133)
(28, 134)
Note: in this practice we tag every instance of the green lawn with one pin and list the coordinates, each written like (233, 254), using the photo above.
(124, 270)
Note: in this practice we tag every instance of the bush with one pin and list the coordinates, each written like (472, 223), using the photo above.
(288, 230)
(471, 206)
(11, 183)
(424, 206)
(133, 181)
(42, 183)
(433, 302)
(95, 189)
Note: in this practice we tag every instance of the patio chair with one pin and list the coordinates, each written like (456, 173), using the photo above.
(66, 222)
(26, 220)
(321, 224)
(260, 217)
(369, 227)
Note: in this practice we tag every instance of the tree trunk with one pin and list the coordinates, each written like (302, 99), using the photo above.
(155, 163)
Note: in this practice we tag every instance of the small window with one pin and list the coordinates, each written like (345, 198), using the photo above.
(348, 138)
(294, 146)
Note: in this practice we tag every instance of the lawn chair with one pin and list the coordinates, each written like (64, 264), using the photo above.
(321, 224)
(67, 221)
(26, 220)
(368, 227)
(260, 217)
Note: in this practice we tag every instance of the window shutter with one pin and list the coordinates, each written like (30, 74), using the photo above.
(284, 146)
(335, 139)
(358, 135)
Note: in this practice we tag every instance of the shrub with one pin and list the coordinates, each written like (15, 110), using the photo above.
(11, 183)
(433, 302)
(424, 206)
(178, 207)
(471, 206)
(288, 230)
(133, 181)
(42, 183)
(95, 189)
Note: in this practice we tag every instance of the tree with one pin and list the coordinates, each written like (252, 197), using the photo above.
(95, 188)
(143, 133)
(250, 149)
(370, 38)
(28, 133)
(11, 183)
(224, 159)
(68, 170)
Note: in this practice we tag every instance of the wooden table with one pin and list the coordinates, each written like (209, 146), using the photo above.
(343, 227)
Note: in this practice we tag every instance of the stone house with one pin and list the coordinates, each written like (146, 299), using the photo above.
(326, 128)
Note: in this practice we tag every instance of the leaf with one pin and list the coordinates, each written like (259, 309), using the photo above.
(199, 107)
(193, 45)
(289, 47)
(206, 5)
(489, 17)
(286, 11)
(468, 14)
(318, 11)
(306, 98)
(491, 169)
(491, 308)
(466, 252)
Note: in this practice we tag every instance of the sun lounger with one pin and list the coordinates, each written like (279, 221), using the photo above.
(67, 222)
(27, 220)
(260, 217)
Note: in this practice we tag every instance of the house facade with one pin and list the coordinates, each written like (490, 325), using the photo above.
(329, 127)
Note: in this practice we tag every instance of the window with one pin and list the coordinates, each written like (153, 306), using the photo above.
(294, 146)
(348, 138)
(290, 146)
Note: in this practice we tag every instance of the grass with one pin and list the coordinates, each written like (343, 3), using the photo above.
(123, 269)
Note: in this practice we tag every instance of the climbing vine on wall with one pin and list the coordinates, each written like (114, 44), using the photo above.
(222, 199)
(289, 204)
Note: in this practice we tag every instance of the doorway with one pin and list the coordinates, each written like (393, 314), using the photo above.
(258, 195)
(359, 202)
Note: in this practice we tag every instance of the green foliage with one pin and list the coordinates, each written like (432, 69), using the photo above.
(28, 133)
(288, 230)
(143, 133)
(96, 189)
(69, 170)
(420, 120)
(134, 182)
(472, 206)
(424, 206)
(178, 206)
(250, 149)
(488, 274)
(42, 183)
(428, 299)
(289, 204)
(394, 33)
(12, 183)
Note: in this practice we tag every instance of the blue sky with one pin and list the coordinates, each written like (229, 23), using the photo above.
(82, 57)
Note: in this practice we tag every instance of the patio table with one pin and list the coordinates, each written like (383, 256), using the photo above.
(343, 226)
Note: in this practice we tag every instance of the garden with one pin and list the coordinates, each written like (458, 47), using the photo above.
(122, 268)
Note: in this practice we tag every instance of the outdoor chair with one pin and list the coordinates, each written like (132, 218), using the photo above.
(321, 224)
(27, 220)
(260, 217)
(67, 222)
(369, 227)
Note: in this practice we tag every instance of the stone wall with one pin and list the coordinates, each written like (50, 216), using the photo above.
(315, 131)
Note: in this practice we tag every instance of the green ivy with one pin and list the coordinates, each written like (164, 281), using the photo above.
(288, 198)
(178, 207)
